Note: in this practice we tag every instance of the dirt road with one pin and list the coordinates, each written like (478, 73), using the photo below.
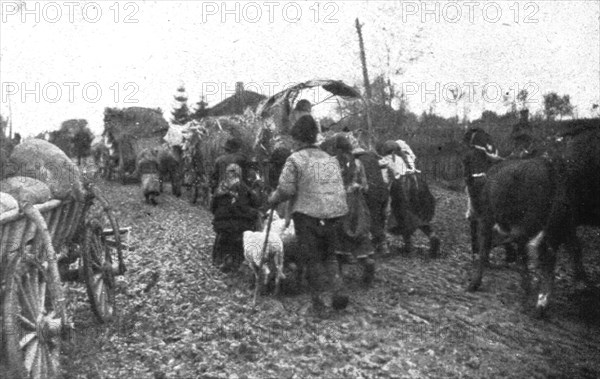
(180, 318)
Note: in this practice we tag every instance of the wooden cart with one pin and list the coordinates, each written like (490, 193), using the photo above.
(41, 246)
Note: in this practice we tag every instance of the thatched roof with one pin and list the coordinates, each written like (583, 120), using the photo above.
(134, 121)
(237, 104)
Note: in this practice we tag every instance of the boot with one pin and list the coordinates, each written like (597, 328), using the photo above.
(408, 245)
(368, 270)
(317, 303)
(382, 250)
(434, 248)
(511, 253)
(339, 299)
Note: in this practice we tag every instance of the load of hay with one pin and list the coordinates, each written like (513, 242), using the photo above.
(41, 160)
(7, 202)
(24, 189)
(131, 130)
(134, 121)
(204, 140)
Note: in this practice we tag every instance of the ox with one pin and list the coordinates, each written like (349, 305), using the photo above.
(515, 200)
(479, 158)
(541, 202)
(576, 202)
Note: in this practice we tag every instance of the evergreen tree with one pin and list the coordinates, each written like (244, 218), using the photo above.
(201, 110)
(181, 112)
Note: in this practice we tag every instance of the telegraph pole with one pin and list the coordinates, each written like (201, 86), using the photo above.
(367, 100)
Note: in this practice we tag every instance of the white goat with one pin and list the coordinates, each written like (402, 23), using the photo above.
(273, 254)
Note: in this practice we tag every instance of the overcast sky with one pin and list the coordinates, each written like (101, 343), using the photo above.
(136, 53)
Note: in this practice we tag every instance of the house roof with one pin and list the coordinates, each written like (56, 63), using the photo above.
(236, 104)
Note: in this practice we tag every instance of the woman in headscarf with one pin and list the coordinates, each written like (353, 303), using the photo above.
(234, 209)
(353, 233)
(233, 154)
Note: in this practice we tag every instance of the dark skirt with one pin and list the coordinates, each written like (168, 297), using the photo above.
(230, 223)
(353, 230)
(412, 205)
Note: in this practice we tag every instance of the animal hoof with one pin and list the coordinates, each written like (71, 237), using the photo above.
(473, 286)
(369, 272)
(434, 249)
(339, 302)
(539, 313)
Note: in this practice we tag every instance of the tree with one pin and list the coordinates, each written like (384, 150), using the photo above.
(522, 98)
(62, 140)
(181, 111)
(555, 105)
(74, 137)
(566, 108)
(489, 116)
(201, 110)
(82, 143)
(456, 95)
(3, 127)
(5, 145)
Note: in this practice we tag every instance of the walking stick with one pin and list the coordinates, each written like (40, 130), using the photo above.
(263, 258)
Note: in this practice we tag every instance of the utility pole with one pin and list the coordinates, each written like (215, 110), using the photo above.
(367, 100)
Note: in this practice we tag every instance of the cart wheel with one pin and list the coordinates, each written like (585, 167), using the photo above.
(32, 323)
(98, 274)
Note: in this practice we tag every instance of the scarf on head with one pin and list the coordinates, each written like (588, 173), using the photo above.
(233, 175)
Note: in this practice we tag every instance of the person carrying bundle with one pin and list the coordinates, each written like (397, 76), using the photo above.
(377, 197)
(407, 154)
(397, 162)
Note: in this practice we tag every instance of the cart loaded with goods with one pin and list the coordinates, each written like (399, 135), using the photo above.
(55, 227)
(129, 131)
(261, 130)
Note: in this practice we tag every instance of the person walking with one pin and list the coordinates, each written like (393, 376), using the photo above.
(312, 181)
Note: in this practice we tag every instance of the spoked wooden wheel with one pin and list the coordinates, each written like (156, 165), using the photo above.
(98, 273)
(32, 323)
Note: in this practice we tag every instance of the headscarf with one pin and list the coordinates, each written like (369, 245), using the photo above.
(233, 176)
